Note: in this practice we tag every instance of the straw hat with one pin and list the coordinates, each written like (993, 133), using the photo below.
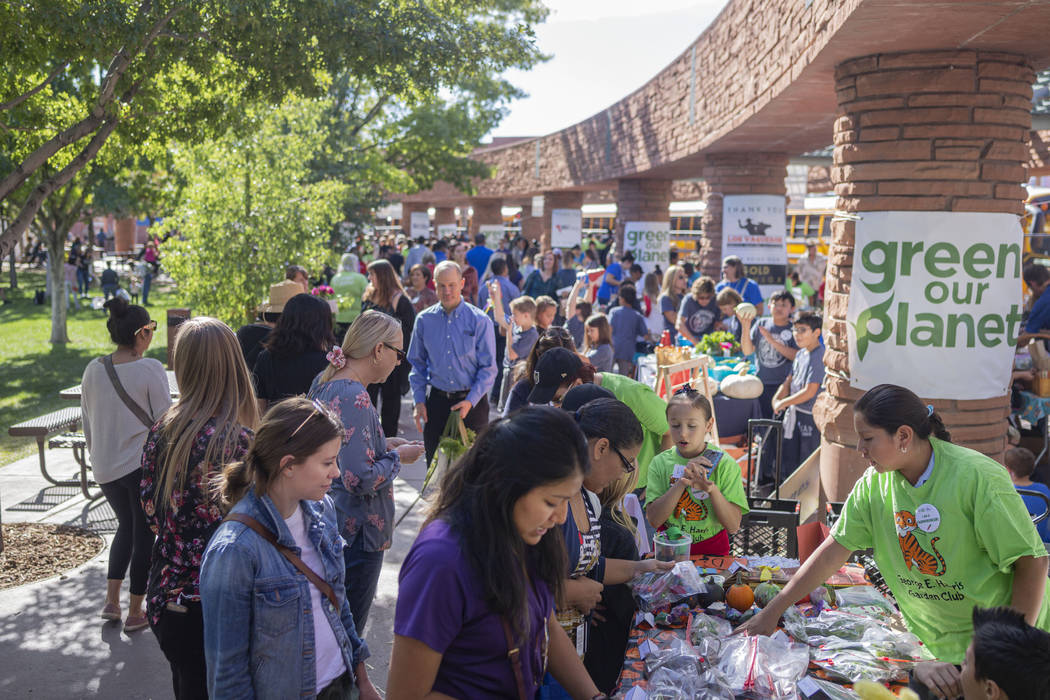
(280, 293)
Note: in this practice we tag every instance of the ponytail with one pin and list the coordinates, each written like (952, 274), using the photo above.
(889, 406)
(937, 427)
(230, 485)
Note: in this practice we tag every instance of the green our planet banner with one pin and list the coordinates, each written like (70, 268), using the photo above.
(935, 302)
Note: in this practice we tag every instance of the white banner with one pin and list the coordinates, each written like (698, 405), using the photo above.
(935, 302)
(566, 227)
(419, 225)
(650, 241)
(754, 228)
(446, 230)
(493, 234)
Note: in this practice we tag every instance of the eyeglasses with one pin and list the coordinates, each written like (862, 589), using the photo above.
(151, 326)
(401, 354)
(627, 466)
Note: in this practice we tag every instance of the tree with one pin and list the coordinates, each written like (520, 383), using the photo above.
(249, 209)
(186, 70)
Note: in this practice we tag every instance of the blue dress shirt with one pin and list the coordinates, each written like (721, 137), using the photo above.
(453, 351)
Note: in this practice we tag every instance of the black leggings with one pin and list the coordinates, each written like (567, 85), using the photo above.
(390, 407)
(134, 540)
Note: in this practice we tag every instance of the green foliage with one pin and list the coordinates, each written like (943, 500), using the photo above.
(249, 209)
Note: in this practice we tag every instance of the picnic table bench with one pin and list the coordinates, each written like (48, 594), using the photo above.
(78, 443)
(42, 427)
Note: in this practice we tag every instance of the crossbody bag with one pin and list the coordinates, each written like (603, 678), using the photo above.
(139, 412)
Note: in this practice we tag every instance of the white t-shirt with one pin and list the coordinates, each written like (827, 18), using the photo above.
(330, 663)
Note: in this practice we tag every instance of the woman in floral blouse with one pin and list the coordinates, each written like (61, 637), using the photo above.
(368, 461)
(209, 426)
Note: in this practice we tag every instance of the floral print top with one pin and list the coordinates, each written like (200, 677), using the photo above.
(364, 494)
(182, 533)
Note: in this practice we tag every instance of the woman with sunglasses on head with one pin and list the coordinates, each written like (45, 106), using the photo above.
(277, 626)
(123, 394)
(368, 460)
(210, 425)
(525, 370)
(480, 581)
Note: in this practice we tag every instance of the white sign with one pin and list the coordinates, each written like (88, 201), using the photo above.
(566, 227)
(935, 303)
(650, 241)
(754, 229)
(419, 225)
(493, 234)
(446, 230)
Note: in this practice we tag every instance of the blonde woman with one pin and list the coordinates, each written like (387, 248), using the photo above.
(209, 426)
(674, 286)
(368, 461)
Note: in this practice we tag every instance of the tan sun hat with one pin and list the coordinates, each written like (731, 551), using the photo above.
(280, 293)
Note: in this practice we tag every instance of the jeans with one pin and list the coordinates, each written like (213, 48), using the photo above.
(146, 280)
(362, 577)
(181, 638)
(134, 539)
(83, 280)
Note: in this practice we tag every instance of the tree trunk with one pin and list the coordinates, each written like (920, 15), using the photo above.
(14, 272)
(56, 258)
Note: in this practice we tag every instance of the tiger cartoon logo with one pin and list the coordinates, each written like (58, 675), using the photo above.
(914, 554)
(690, 509)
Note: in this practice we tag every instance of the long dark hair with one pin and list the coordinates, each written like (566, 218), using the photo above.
(125, 320)
(305, 325)
(387, 284)
(611, 419)
(553, 337)
(478, 495)
(889, 406)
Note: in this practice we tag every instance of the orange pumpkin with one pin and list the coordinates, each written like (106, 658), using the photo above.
(740, 596)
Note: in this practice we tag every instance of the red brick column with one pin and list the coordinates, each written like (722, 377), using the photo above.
(641, 200)
(531, 226)
(407, 208)
(444, 215)
(930, 131)
(487, 210)
(560, 199)
(734, 173)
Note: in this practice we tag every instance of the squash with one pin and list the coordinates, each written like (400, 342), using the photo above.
(738, 386)
(746, 310)
(765, 592)
(739, 596)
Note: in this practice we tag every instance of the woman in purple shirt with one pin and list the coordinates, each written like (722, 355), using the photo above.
(483, 574)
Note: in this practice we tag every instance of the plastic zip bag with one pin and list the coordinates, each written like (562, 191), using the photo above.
(656, 590)
(763, 667)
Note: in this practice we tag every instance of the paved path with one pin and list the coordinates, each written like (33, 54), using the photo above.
(54, 645)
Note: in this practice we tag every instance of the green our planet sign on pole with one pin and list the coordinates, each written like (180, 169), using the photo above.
(650, 241)
(935, 302)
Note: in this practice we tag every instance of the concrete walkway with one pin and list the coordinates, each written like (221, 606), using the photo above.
(54, 645)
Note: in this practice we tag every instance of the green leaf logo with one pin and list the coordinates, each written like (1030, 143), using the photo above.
(862, 330)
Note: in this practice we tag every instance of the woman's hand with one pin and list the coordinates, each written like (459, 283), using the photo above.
(583, 593)
(943, 679)
(364, 686)
(409, 452)
(392, 443)
(765, 623)
(648, 565)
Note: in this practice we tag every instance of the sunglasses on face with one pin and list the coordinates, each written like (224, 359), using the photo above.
(401, 354)
(151, 326)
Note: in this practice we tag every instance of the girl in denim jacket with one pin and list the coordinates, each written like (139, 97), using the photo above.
(270, 632)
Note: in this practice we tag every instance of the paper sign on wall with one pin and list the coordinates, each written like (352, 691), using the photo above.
(650, 241)
(493, 233)
(754, 229)
(935, 302)
(446, 230)
(566, 227)
(419, 225)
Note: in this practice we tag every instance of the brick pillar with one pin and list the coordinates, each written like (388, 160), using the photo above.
(734, 173)
(641, 200)
(407, 208)
(930, 131)
(486, 212)
(560, 199)
(444, 215)
(531, 226)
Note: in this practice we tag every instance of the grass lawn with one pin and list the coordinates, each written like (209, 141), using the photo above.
(33, 371)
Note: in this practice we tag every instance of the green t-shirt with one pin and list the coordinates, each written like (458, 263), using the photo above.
(348, 288)
(945, 546)
(694, 516)
(649, 409)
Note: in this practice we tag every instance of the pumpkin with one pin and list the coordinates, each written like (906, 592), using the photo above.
(765, 592)
(740, 596)
(746, 386)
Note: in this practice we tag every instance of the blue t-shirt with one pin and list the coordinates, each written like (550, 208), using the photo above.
(1040, 316)
(808, 368)
(576, 329)
(668, 303)
(746, 288)
(601, 357)
(1036, 505)
(478, 257)
(700, 320)
(773, 368)
(605, 291)
(627, 324)
(521, 341)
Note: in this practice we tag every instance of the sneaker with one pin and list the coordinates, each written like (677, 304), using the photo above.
(134, 623)
(111, 611)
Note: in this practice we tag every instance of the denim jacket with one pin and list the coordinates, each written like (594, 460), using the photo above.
(258, 617)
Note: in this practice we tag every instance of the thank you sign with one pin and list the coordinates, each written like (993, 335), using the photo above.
(935, 302)
(754, 228)
(650, 241)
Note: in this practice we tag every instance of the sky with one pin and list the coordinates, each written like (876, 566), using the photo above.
(602, 50)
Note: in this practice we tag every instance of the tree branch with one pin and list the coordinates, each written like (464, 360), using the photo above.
(371, 115)
(11, 104)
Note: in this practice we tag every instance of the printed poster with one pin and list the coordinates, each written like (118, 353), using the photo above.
(754, 228)
(650, 241)
(446, 230)
(419, 225)
(566, 227)
(493, 234)
(935, 303)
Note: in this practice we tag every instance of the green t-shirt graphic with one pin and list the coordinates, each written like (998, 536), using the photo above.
(695, 516)
(945, 546)
(648, 408)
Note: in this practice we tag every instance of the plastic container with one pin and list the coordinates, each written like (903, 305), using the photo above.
(671, 546)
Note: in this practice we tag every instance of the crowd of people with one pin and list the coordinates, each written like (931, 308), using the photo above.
(254, 512)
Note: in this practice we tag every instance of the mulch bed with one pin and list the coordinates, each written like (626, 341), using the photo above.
(34, 551)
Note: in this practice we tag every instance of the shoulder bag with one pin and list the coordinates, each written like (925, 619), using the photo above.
(139, 412)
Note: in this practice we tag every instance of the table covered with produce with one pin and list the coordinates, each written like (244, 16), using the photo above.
(842, 635)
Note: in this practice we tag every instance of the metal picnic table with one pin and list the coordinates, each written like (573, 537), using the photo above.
(73, 393)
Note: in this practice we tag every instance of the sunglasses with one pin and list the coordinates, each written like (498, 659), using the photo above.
(151, 327)
(401, 354)
(627, 466)
(318, 408)
(685, 389)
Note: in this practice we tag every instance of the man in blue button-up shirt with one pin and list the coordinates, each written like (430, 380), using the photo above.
(509, 292)
(453, 352)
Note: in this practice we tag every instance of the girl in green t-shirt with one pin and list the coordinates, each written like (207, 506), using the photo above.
(694, 486)
(947, 528)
